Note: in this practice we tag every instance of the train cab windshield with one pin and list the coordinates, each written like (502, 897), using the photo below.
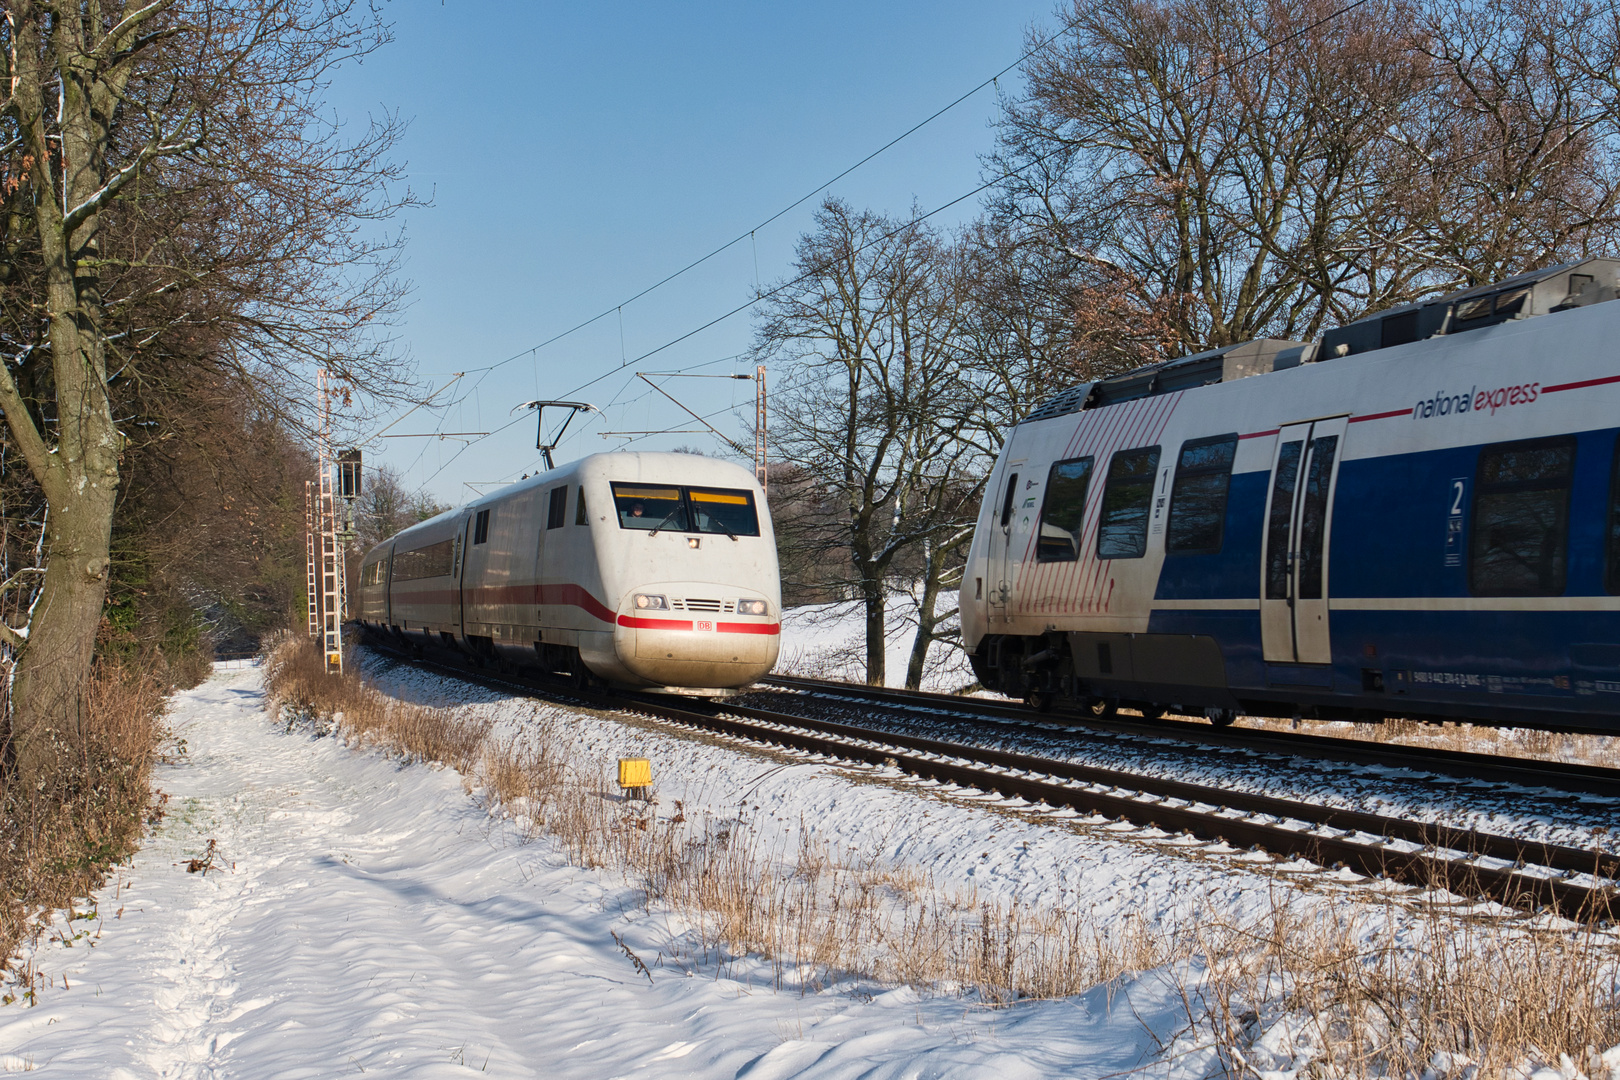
(685, 509)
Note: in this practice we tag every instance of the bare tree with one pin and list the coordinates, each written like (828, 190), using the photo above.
(868, 333)
(1240, 169)
(1515, 151)
(175, 198)
(386, 506)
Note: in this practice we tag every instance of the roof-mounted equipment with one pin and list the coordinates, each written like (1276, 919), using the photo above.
(1538, 292)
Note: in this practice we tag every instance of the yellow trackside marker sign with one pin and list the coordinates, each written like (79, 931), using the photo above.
(635, 772)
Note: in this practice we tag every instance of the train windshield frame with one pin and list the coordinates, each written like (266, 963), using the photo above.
(685, 508)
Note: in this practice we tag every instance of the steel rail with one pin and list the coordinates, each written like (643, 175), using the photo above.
(1073, 786)
(1504, 884)
(1559, 776)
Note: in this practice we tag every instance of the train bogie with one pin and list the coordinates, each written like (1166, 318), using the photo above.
(1418, 515)
(651, 571)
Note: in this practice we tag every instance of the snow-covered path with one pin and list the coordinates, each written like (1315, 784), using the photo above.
(367, 918)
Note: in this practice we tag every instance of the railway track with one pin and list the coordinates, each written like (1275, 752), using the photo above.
(1517, 873)
(1557, 776)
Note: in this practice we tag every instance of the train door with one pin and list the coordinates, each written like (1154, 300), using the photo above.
(458, 612)
(1298, 526)
(1003, 567)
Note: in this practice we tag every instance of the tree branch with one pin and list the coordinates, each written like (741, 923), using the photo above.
(34, 449)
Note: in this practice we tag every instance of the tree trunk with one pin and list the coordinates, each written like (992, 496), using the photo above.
(79, 474)
(48, 696)
(877, 640)
(81, 481)
(926, 621)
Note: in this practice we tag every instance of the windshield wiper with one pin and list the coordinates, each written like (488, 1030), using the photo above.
(666, 521)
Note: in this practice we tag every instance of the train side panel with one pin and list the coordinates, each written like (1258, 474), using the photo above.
(498, 582)
(372, 592)
(423, 596)
(1407, 617)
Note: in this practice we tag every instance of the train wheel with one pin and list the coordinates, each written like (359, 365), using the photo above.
(579, 676)
(1102, 708)
(1151, 712)
(1221, 717)
(1040, 700)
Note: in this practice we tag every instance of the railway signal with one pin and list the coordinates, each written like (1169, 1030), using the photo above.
(326, 572)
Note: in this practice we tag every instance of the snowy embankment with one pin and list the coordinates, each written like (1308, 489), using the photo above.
(827, 641)
(310, 908)
(359, 916)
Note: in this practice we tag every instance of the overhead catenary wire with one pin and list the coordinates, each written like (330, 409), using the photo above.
(795, 204)
(688, 372)
(912, 222)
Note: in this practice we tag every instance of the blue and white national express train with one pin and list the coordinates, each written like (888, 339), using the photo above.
(1418, 515)
(651, 571)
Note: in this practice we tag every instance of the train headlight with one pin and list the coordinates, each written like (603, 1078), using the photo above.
(751, 607)
(651, 602)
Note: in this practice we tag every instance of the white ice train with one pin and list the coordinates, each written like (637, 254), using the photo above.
(1418, 515)
(651, 571)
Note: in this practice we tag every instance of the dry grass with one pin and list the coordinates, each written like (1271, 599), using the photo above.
(60, 840)
(1360, 990)
(302, 692)
(815, 917)
(1462, 736)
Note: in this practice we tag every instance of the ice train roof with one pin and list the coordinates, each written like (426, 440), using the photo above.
(677, 465)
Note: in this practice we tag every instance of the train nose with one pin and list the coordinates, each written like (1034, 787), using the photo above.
(696, 635)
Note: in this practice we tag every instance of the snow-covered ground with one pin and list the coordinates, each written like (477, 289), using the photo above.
(312, 909)
(359, 916)
(828, 641)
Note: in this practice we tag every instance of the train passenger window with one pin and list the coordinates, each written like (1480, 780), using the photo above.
(580, 516)
(481, 527)
(1313, 516)
(1198, 496)
(1611, 577)
(1281, 521)
(1520, 527)
(1007, 503)
(1122, 532)
(425, 562)
(557, 512)
(723, 510)
(1063, 511)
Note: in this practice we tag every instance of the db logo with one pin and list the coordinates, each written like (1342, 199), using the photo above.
(705, 624)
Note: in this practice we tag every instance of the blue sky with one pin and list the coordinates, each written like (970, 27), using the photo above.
(577, 153)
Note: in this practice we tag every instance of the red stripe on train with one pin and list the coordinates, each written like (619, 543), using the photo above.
(1580, 385)
(679, 624)
(573, 596)
(654, 624)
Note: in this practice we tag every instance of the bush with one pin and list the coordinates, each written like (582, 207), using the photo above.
(60, 840)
